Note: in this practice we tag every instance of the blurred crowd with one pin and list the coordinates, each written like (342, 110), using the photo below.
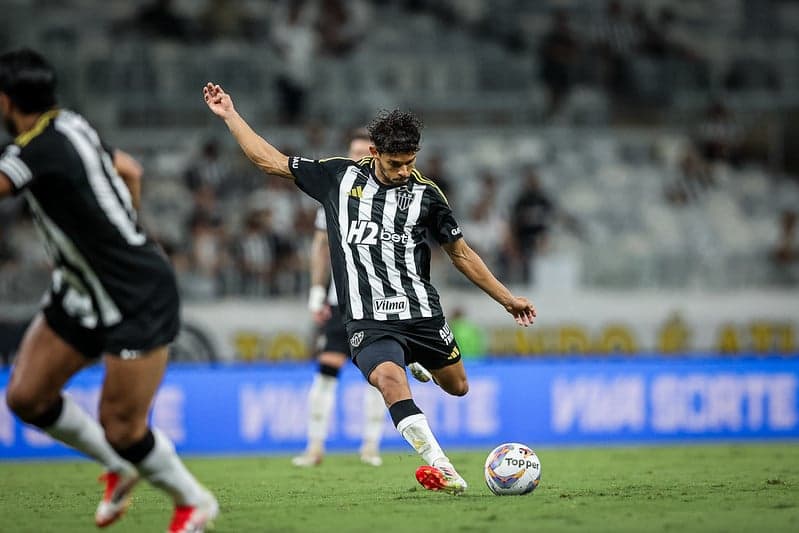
(231, 231)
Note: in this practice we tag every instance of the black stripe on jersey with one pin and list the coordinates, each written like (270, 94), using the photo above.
(378, 206)
(399, 259)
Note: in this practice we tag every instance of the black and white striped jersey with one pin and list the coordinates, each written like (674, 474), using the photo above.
(84, 211)
(377, 235)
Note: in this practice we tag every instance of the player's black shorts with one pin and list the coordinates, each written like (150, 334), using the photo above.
(428, 341)
(332, 335)
(73, 318)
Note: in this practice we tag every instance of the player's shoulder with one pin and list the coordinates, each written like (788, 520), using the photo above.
(341, 164)
(430, 184)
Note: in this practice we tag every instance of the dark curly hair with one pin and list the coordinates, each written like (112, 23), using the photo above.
(28, 80)
(395, 132)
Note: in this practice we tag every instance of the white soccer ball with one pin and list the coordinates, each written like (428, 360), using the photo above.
(512, 468)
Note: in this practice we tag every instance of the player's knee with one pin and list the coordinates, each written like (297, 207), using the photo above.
(458, 388)
(26, 403)
(387, 377)
(121, 427)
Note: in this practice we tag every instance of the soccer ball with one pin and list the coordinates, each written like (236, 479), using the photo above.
(512, 468)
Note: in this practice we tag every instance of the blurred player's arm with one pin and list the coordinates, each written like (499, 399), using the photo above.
(261, 153)
(472, 266)
(320, 276)
(130, 171)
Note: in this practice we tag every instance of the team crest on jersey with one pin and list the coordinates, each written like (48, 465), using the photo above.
(404, 198)
(356, 339)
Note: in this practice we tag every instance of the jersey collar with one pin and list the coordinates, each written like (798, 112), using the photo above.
(41, 123)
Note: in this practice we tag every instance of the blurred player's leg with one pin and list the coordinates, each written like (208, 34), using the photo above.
(374, 410)
(44, 364)
(128, 392)
(321, 399)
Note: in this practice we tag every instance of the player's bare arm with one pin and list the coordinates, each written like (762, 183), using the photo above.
(130, 171)
(261, 153)
(320, 275)
(5, 185)
(472, 266)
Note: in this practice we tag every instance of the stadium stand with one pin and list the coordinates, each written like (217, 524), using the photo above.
(666, 158)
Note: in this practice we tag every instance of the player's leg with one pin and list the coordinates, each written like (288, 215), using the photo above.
(374, 411)
(321, 400)
(43, 365)
(383, 364)
(452, 378)
(128, 393)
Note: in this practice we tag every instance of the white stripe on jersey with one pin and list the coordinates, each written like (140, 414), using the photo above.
(109, 312)
(344, 189)
(387, 248)
(413, 216)
(88, 147)
(14, 167)
(364, 252)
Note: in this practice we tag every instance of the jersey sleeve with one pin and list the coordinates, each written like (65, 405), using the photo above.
(23, 165)
(317, 177)
(442, 224)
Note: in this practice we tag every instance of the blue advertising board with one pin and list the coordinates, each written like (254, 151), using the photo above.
(262, 408)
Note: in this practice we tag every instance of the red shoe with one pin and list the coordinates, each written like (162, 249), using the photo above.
(194, 518)
(116, 498)
(444, 478)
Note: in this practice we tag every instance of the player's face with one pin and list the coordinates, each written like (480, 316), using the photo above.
(359, 148)
(394, 169)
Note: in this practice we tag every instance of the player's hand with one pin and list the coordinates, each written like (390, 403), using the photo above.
(322, 315)
(523, 311)
(218, 100)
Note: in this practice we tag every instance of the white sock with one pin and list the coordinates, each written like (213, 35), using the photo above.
(77, 429)
(374, 410)
(163, 468)
(321, 399)
(416, 431)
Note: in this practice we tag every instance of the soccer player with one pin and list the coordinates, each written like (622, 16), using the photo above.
(113, 296)
(323, 304)
(379, 211)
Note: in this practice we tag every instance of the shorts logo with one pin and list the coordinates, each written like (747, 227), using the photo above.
(446, 334)
(129, 354)
(454, 353)
(456, 231)
(404, 199)
(395, 304)
(356, 339)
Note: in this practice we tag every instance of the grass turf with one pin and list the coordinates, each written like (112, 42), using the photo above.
(687, 488)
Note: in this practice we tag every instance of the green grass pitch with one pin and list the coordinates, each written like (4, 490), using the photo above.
(677, 489)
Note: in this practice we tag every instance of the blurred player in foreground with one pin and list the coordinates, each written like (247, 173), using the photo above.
(379, 212)
(335, 350)
(113, 296)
